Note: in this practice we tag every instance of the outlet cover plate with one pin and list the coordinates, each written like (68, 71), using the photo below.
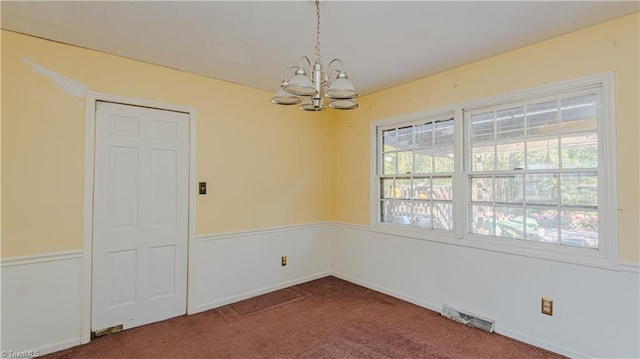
(547, 306)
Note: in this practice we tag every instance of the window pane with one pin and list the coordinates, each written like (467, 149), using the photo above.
(482, 221)
(508, 189)
(424, 135)
(443, 134)
(510, 156)
(396, 212)
(422, 188)
(442, 216)
(482, 127)
(541, 188)
(483, 158)
(542, 118)
(579, 113)
(423, 161)
(405, 138)
(389, 140)
(389, 166)
(511, 222)
(482, 189)
(403, 213)
(405, 162)
(442, 188)
(542, 154)
(422, 214)
(386, 188)
(403, 188)
(387, 212)
(443, 163)
(579, 229)
(580, 189)
(547, 224)
(510, 123)
(579, 151)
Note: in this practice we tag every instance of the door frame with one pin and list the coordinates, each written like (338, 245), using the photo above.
(92, 100)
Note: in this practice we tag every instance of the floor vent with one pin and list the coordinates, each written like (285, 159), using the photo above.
(467, 318)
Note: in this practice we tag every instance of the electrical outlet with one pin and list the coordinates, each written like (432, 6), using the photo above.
(283, 261)
(547, 306)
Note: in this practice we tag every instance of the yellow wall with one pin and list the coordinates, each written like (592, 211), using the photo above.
(265, 165)
(609, 46)
(268, 165)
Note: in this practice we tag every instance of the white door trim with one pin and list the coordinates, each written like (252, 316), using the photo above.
(87, 244)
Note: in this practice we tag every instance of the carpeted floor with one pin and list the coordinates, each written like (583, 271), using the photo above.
(325, 318)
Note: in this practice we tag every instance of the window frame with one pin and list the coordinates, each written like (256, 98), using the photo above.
(411, 175)
(376, 173)
(606, 256)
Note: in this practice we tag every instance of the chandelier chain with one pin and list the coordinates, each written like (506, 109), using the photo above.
(318, 59)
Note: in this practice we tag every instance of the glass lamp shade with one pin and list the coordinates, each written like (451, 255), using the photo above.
(343, 104)
(282, 97)
(300, 85)
(341, 88)
(307, 105)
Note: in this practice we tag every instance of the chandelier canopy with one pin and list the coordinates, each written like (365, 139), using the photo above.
(310, 91)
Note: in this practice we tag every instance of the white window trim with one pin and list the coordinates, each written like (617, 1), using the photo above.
(607, 254)
(375, 224)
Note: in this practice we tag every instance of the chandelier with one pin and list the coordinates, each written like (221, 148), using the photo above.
(310, 91)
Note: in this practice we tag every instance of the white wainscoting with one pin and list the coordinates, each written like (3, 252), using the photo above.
(42, 296)
(596, 311)
(41, 302)
(236, 266)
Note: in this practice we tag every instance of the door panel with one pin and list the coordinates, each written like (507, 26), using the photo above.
(123, 188)
(122, 278)
(163, 271)
(140, 215)
(164, 179)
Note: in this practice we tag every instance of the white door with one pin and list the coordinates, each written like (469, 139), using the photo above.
(140, 223)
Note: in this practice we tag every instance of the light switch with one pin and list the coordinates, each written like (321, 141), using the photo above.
(202, 187)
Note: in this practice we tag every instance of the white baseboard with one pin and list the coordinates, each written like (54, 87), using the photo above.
(60, 345)
(387, 291)
(254, 293)
(553, 347)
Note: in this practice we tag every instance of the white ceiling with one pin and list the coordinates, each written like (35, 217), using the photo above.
(382, 43)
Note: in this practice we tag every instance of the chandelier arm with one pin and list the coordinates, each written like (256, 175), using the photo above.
(336, 60)
(328, 76)
(308, 63)
(286, 73)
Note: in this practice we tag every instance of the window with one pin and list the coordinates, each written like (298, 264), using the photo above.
(533, 170)
(530, 172)
(416, 174)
